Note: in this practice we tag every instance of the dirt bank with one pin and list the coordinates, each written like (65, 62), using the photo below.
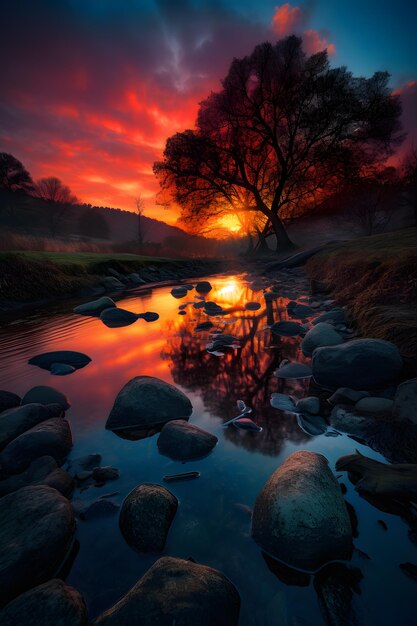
(376, 278)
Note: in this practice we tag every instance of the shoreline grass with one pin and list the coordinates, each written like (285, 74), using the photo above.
(376, 279)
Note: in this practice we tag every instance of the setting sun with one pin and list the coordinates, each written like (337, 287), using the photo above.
(231, 222)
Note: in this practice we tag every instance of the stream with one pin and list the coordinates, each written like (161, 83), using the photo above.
(212, 524)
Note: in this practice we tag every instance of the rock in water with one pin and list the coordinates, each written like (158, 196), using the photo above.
(95, 307)
(174, 591)
(336, 316)
(252, 306)
(149, 316)
(358, 364)
(380, 479)
(52, 604)
(43, 394)
(111, 283)
(300, 516)
(369, 405)
(37, 530)
(68, 357)
(16, 421)
(9, 400)
(179, 292)
(146, 401)
(405, 401)
(183, 441)
(344, 395)
(51, 437)
(311, 405)
(115, 318)
(203, 287)
(287, 329)
(42, 471)
(320, 335)
(293, 370)
(61, 369)
(146, 517)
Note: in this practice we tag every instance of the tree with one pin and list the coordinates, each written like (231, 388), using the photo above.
(58, 195)
(282, 129)
(140, 208)
(14, 178)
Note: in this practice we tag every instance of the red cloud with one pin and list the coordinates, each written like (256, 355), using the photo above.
(288, 20)
(315, 42)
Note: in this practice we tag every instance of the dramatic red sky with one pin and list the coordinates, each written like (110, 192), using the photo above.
(92, 88)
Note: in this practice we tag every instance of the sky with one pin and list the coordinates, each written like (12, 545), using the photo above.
(91, 89)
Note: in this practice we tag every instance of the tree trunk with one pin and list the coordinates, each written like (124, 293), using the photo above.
(284, 243)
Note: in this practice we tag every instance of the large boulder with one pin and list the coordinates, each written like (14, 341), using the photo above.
(51, 604)
(335, 316)
(180, 592)
(300, 516)
(320, 335)
(51, 437)
(43, 394)
(358, 364)
(16, 421)
(405, 401)
(146, 516)
(95, 307)
(42, 471)
(8, 400)
(183, 441)
(37, 527)
(146, 401)
(77, 360)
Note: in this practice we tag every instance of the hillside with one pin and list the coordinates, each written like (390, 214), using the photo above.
(26, 215)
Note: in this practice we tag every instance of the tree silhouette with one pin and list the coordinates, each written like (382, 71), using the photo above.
(59, 196)
(13, 175)
(140, 208)
(283, 129)
(14, 179)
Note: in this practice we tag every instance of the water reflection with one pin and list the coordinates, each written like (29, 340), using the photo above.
(245, 373)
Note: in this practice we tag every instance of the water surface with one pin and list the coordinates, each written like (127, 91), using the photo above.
(212, 524)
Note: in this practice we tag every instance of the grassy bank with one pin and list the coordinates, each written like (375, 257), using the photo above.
(33, 276)
(376, 278)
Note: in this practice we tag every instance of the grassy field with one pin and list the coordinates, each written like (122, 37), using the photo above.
(376, 278)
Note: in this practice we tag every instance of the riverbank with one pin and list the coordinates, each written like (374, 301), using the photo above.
(376, 279)
(34, 278)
